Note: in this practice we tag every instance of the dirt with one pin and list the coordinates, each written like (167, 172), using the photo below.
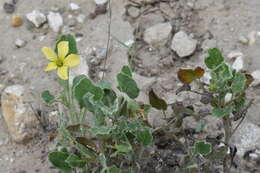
(223, 21)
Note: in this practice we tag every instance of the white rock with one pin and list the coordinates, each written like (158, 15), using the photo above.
(228, 97)
(36, 17)
(19, 117)
(55, 21)
(251, 38)
(158, 34)
(74, 7)
(81, 18)
(238, 63)
(256, 76)
(242, 39)
(101, 2)
(183, 45)
(20, 43)
(235, 54)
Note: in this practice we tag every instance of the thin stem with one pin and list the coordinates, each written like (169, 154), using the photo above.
(108, 35)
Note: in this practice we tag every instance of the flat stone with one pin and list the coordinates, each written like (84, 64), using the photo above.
(235, 54)
(9, 7)
(55, 21)
(158, 34)
(238, 64)
(19, 117)
(256, 76)
(183, 45)
(37, 18)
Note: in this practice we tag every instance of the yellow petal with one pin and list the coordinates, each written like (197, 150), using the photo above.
(72, 60)
(63, 49)
(63, 72)
(49, 53)
(51, 66)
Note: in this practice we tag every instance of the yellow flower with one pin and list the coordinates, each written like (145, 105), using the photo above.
(61, 62)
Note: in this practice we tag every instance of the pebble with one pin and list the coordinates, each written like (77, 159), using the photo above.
(242, 39)
(16, 21)
(9, 7)
(37, 18)
(183, 45)
(55, 21)
(228, 97)
(251, 38)
(81, 18)
(133, 12)
(256, 76)
(20, 43)
(74, 6)
(238, 64)
(101, 2)
(158, 34)
(235, 54)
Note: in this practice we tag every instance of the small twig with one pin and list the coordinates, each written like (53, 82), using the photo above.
(108, 35)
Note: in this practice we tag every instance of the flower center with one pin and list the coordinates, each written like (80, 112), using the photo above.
(59, 63)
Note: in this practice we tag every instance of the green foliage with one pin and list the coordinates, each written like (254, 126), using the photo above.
(145, 137)
(222, 112)
(126, 83)
(82, 85)
(48, 97)
(72, 43)
(239, 83)
(157, 102)
(75, 161)
(214, 59)
(58, 159)
(202, 148)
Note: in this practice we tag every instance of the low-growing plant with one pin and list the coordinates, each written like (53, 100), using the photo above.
(226, 94)
(101, 130)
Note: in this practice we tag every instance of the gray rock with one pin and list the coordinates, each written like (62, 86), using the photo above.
(133, 12)
(183, 45)
(19, 117)
(37, 18)
(20, 43)
(55, 21)
(247, 137)
(158, 34)
(9, 7)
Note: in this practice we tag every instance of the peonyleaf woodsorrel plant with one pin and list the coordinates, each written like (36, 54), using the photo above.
(226, 95)
(101, 130)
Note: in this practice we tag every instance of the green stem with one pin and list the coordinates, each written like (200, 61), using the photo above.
(228, 133)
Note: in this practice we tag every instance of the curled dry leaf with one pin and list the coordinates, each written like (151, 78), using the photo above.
(187, 76)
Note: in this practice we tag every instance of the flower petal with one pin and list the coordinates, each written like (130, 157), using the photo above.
(63, 72)
(72, 60)
(63, 49)
(49, 53)
(51, 66)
